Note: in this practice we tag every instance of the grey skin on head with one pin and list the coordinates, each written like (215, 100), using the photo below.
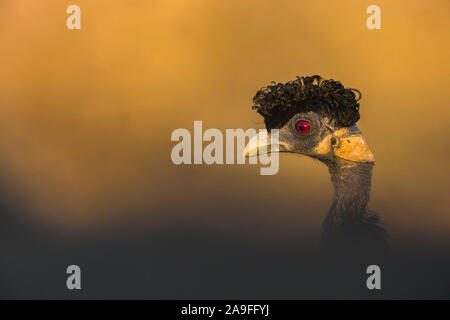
(317, 118)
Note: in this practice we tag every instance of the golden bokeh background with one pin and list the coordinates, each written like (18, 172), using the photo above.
(86, 116)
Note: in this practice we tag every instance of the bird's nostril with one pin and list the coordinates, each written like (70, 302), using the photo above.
(333, 141)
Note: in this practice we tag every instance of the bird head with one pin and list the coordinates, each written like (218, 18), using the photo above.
(315, 117)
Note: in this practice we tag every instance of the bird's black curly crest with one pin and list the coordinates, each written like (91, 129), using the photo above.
(278, 102)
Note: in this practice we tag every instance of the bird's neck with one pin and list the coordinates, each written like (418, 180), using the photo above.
(351, 183)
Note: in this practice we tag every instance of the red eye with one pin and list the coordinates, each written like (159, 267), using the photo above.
(303, 126)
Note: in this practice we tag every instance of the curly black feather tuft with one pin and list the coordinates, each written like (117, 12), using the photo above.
(278, 102)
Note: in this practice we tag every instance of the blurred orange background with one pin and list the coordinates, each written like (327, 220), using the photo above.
(86, 115)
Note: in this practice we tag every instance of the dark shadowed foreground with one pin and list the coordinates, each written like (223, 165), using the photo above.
(195, 263)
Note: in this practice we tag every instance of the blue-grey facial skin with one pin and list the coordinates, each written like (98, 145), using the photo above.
(306, 143)
(324, 140)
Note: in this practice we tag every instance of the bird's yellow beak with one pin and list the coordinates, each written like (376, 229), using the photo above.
(350, 144)
(263, 143)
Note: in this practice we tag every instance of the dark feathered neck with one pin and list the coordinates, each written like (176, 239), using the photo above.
(348, 219)
(352, 182)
